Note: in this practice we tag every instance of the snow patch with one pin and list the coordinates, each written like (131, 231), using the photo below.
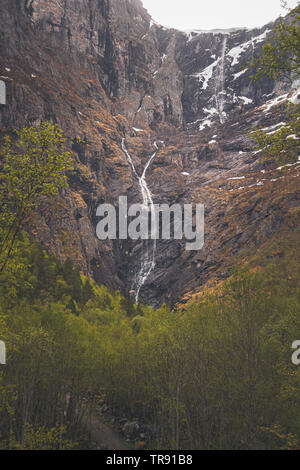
(275, 127)
(237, 75)
(205, 123)
(287, 165)
(274, 102)
(206, 74)
(210, 111)
(245, 99)
(152, 23)
(237, 51)
(295, 98)
(196, 32)
(292, 136)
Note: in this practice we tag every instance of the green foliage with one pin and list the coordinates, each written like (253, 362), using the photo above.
(39, 438)
(280, 56)
(281, 52)
(281, 145)
(216, 375)
(33, 166)
(74, 280)
(53, 321)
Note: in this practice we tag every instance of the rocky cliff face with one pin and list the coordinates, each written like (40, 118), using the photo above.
(159, 75)
(104, 70)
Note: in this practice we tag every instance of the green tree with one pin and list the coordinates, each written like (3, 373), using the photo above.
(280, 56)
(87, 292)
(34, 165)
(72, 277)
(39, 438)
(281, 146)
(281, 52)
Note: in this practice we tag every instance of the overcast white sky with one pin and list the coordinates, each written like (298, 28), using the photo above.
(210, 14)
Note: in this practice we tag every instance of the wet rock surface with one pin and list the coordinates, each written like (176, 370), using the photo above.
(103, 70)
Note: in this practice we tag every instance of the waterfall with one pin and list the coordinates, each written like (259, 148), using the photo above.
(148, 253)
(219, 91)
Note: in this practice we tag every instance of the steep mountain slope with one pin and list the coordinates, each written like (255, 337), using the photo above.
(105, 71)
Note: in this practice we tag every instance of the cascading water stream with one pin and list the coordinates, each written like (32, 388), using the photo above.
(219, 92)
(148, 255)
